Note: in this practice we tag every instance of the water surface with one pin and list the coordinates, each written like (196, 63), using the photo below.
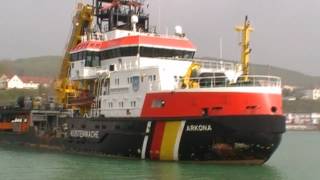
(298, 157)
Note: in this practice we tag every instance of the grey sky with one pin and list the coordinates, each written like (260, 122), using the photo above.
(287, 32)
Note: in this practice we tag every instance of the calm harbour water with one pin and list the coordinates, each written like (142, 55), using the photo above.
(298, 157)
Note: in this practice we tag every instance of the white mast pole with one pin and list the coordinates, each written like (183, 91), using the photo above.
(220, 47)
(159, 16)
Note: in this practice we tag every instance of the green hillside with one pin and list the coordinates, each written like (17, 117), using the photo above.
(48, 66)
(301, 106)
(288, 77)
(45, 66)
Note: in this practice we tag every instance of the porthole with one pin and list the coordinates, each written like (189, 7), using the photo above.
(274, 109)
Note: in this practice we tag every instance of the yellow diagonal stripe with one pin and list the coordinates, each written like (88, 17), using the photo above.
(169, 140)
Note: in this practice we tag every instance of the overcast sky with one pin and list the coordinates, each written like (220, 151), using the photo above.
(287, 32)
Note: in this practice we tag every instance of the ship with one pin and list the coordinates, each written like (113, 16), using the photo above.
(124, 90)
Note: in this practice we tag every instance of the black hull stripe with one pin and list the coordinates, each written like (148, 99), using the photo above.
(211, 139)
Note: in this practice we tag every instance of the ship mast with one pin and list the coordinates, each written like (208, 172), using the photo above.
(245, 31)
(116, 14)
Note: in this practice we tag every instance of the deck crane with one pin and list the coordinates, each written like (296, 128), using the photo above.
(81, 21)
(188, 82)
(245, 31)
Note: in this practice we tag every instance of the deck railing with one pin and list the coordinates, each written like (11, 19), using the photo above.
(217, 65)
(223, 81)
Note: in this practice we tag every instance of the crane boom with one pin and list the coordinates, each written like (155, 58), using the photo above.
(81, 21)
(187, 79)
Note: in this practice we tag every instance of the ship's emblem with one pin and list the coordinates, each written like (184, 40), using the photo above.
(135, 83)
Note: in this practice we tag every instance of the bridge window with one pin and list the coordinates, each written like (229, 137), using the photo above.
(82, 55)
(129, 51)
(119, 52)
(74, 56)
(88, 62)
(96, 59)
(92, 59)
(157, 52)
(116, 53)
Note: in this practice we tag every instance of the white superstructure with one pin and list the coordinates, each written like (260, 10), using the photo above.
(126, 65)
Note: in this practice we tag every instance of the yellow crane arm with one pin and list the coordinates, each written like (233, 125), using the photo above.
(82, 20)
(187, 81)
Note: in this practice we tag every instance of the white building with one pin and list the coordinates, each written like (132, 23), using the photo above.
(15, 83)
(289, 88)
(313, 94)
(23, 82)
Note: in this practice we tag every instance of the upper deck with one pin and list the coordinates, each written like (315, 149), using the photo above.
(123, 38)
(225, 82)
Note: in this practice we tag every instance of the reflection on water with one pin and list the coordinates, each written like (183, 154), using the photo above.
(165, 170)
(206, 171)
(31, 164)
(289, 162)
(102, 168)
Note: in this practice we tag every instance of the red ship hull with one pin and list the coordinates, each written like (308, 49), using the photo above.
(211, 103)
